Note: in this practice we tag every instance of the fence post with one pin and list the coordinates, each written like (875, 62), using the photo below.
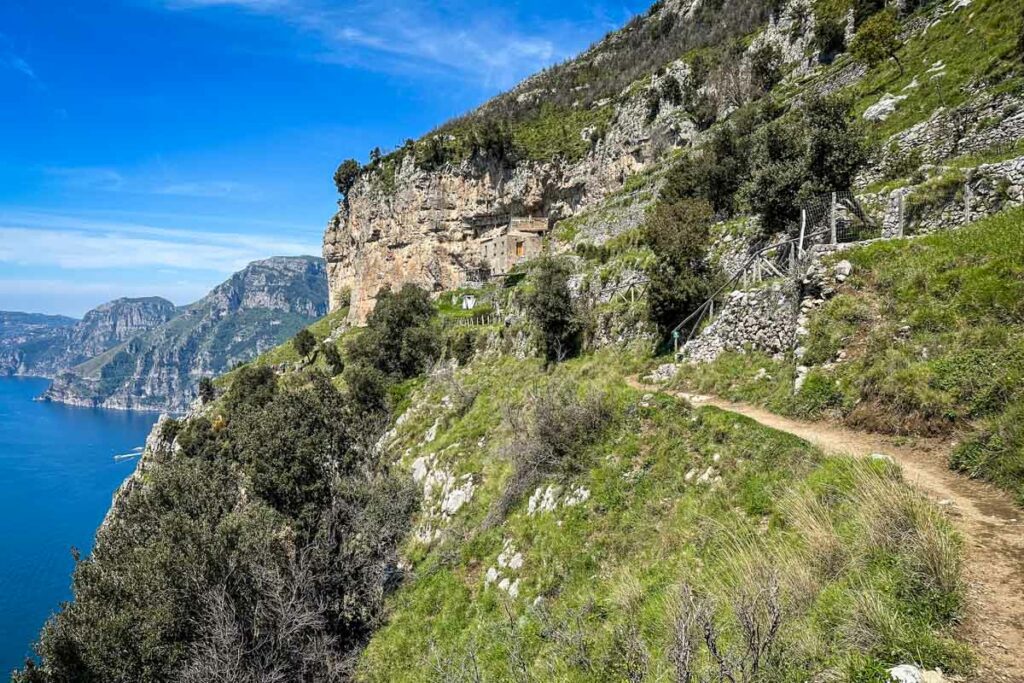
(832, 217)
(900, 215)
(967, 201)
(803, 229)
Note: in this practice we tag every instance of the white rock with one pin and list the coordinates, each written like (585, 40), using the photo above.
(843, 270)
(543, 500)
(690, 475)
(432, 432)
(882, 457)
(491, 576)
(906, 673)
(883, 108)
(420, 468)
(456, 497)
(577, 496)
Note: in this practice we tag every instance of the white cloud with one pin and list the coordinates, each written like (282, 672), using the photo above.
(403, 36)
(74, 243)
(10, 60)
(216, 189)
(88, 178)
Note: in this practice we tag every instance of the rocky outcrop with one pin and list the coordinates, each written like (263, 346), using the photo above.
(253, 311)
(425, 229)
(53, 350)
(405, 224)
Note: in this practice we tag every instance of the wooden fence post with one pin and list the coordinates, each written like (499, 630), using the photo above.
(967, 201)
(803, 229)
(832, 217)
(900, 214)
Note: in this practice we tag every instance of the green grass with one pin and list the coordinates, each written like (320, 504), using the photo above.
(599, 581)
(977, 45)
(933, 329)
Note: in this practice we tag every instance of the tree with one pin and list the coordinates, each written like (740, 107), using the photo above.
(678, 233)
(207, 392)
(766, 67)
(333, 357)
(304, 342)
(550, 308)
(878, 39)
(836, 148)
(399, 339)
(346, 175)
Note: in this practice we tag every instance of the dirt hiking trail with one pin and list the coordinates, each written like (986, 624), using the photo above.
(988, 519)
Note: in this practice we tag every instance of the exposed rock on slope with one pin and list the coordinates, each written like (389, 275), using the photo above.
(47, 350)
(255, 310)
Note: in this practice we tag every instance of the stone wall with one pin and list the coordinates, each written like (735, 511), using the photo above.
(984, 190)
(983, 125)
(762, 319)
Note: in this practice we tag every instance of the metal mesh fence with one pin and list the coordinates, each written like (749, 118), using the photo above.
(838, 218)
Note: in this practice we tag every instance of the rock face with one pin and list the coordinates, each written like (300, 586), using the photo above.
(427, 228)
(429, 224)
(46, 351)
(253, 311)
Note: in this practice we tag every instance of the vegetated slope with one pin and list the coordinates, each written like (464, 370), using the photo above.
(48, 351)
(392, 524)
(550, 550)
(253, 311)
(925, 337)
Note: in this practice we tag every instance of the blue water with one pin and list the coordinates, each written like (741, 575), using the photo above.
(57, 476)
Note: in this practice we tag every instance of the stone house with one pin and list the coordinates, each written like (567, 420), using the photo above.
(518, 240)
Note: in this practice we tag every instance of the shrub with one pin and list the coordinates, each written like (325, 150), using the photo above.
(251, 387)
(335, 363)
(766, 67)
(346, 175)
(550, 308)
(680, 279)
(290, 447)
(207, 392)
(551, 437)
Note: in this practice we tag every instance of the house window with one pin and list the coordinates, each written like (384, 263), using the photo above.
(520, 250)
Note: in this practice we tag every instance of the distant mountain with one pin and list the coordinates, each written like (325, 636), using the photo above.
(17, 328)
(253, 311)
(45, 346)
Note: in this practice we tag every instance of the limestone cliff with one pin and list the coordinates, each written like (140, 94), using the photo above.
(253, 311)
(426, 213)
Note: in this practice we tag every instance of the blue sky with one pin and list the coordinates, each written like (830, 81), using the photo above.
(152, 147)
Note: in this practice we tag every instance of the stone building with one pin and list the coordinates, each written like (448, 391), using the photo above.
(518, 240)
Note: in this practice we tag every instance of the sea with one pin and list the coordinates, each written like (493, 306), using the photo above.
(57, 477)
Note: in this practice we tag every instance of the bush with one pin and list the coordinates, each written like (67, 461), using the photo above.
(681, 278)
(878, 39)
(251, 387)
(552, 434)
(207, 392)
(346, 175)
(335, 363)
(550, 308)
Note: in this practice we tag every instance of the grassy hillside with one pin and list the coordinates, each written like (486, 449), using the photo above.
(932, 335)
(748, 520)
